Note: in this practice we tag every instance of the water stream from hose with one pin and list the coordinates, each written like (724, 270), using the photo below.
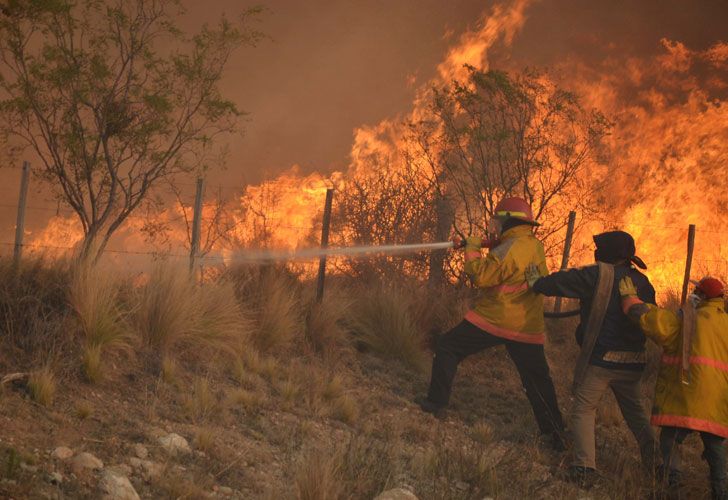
(252, 256)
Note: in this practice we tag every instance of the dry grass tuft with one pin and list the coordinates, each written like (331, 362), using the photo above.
(317, 477)
(384, 324)
(345, 409)
(169, 370)
(202, 403)
(273, 295)
(84, 410)
(175, 312)
(42, 386)
(91, 363)
(483, 433)
(95, 298)
(326, 323)
(249, 400)
(204, 439)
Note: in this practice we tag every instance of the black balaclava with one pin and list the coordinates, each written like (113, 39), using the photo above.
(616, 246)
(510, 223)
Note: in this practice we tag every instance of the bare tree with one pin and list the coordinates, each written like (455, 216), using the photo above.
(500, 135)
(113, 97)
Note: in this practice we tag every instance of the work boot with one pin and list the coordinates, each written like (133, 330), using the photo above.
(584, 477)
(553, 440)
(429, 407)
(719, 490)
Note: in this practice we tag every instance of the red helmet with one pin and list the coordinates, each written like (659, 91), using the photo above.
(710, 287)
(515, 208)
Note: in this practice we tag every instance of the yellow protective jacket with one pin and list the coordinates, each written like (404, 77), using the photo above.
(701, 405)
(506, 307)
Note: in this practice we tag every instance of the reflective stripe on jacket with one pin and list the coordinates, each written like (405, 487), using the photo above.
(506, 307)
(701, 405)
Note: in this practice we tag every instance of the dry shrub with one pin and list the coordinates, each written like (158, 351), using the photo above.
(42, 386)
(34, 308)
(383, 323)
(176, 313)
(273, 294)
(288, 390)
(95, 298)
(317, 477)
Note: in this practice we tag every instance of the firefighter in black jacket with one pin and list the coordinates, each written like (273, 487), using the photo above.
(618, 357)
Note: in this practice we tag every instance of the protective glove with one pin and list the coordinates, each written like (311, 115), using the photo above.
(473, 243)
(627, 288)
(532, 274)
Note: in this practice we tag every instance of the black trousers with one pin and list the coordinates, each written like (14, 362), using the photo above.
(466, 339)
(713, 452)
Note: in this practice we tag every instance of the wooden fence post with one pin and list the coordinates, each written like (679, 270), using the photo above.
(567, 251)
(688, 263)
(324, 244)
(20, 223)
(196, 223)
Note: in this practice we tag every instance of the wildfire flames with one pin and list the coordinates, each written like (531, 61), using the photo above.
(664, 168)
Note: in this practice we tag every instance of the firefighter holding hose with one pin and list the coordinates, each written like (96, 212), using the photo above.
(691, 393)
(507, 313)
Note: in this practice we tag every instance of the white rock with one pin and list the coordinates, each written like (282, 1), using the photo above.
(86, 461)
(117, 487)
(148, 469)
(121, 469)
(62, 453)
(174, 444)
(226, 491)
(397, 494)
(55, 478)
(141, 451)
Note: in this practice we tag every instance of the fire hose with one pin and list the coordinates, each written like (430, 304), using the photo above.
(309, 253)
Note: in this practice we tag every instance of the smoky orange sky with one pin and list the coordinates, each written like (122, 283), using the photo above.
(331, 66)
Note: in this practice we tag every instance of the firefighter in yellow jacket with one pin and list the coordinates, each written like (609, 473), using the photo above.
(690, 394)
(507, 313)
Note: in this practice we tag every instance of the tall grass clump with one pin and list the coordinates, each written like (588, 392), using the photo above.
(273, 294)
(327, 323)
(95, 299)
(383, 322)
(176, 314)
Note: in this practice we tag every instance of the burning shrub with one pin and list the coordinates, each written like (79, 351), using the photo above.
(383, 322)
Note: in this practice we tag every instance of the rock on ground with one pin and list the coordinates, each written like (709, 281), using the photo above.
(62, 453)
(397, 494)
(117, 487)
(174, 444)
(141, 451)
(86, 461)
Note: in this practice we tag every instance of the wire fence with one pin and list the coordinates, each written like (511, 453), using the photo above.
(278, 223)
